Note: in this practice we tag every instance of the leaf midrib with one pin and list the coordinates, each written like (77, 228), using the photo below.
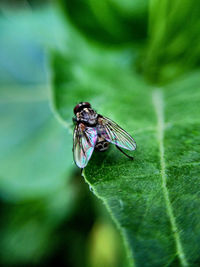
(158, 103)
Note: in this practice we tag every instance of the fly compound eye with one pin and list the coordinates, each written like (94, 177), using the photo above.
(86, 104)
(76, 108)
(81, 106)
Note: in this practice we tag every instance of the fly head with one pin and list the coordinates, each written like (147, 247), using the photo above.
(84, 113)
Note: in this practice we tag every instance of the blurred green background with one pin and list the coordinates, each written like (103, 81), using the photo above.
(48, 214)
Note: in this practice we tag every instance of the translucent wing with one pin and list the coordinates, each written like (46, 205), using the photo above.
(113, 133)
(84, 142)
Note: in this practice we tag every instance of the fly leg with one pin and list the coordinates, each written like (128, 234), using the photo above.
(132, 158)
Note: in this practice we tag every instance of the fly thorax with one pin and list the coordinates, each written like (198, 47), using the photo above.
(101, 130)
(88, 116)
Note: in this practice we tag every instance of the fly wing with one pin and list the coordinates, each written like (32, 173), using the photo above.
(113, 133)
(84, 142)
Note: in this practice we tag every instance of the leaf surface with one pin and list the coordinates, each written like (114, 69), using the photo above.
(154, 199)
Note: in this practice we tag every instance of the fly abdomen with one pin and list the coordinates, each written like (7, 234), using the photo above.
(102, 146)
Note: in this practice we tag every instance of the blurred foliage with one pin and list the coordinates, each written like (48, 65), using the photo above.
(169, 31)
(114, 54)
(43, 219)
(174, 41)
(21, 4)
(108, 21)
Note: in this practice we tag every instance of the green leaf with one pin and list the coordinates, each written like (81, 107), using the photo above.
(154, 199)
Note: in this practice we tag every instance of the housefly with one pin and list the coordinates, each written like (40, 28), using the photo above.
(94, 131)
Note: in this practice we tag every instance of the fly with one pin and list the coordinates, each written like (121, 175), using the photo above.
(94, 131)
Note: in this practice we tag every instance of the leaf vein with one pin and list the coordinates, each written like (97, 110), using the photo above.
(158, 103)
